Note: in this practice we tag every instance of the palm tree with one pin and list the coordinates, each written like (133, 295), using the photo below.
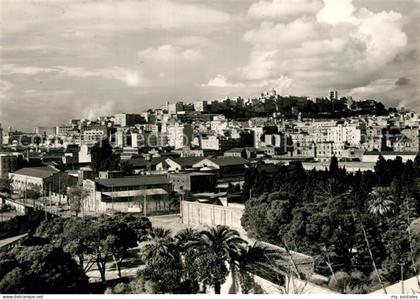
(381, 202)
(159, 233)
(225, 244)
(160, 244)
(256, 258)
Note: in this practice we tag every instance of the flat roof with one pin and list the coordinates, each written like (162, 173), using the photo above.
(138, 180)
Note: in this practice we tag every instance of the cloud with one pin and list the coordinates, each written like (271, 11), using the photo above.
(281, 9)
(410, 56)
(402, 81)
(374, 88)
(171, 53)
(222, 81)
(108, 15)
(281, 84)
(12, 69)
(346, 50)
(334, 12)
(129, 77)
(295, 32)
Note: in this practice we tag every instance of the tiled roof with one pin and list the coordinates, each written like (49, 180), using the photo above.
(140, 162)
(227, 161)
(38, 172)
(187, 161)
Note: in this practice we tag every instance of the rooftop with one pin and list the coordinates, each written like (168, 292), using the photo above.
(187, 161)
(38, 172)
(227, 161)
(139, 180)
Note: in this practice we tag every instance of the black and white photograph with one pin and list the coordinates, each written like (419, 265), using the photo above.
(209, 147)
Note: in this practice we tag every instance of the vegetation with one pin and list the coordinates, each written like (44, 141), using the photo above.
(353, 223)
(76, 196)
(320, 108)
(40, 270)
(21, 224)
(190, 259)
(103, 157)
(94, 241)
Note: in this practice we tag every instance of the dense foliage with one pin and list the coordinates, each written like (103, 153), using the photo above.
(22, 224)
(190, 259)
(288, 106)
(40, 270)
(350, 222)
(94, 241)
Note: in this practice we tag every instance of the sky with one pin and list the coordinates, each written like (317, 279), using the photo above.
(63, 59)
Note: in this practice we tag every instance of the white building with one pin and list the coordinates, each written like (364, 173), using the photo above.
(92, 136)
(200, 106)
(179, 135)
(174, 108)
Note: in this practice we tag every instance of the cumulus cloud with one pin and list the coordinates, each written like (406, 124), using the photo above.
(295, 32)
(222, 81)
(280, 9)
(344, 46)
(281, 84)
(334, 12)
(171, 53)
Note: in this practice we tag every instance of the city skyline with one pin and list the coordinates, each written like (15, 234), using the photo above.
(85, 59)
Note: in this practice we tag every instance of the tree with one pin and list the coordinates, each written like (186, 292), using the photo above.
(21, 224)
(126, 168)
(76, 196)
(103, 157)
(219, 246)
(116, 237)
(40, 270)
(6, 186)
(33, 193)
(267, 217)
(163, 262)
(334, 169)
(381, 202)
(258, 259)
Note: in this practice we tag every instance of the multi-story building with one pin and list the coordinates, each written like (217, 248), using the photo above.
(200, 106)
(333, 94)
(179, 135)
(64, 130)
(127, 120)
(174, 108)
(38, 178)
(46, 131)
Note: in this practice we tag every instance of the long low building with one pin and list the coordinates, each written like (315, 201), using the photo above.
(349, 166)
(39, 178)
(145, 194)
(374, 156)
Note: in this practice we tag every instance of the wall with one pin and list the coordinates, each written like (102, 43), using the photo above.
(194, 213)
